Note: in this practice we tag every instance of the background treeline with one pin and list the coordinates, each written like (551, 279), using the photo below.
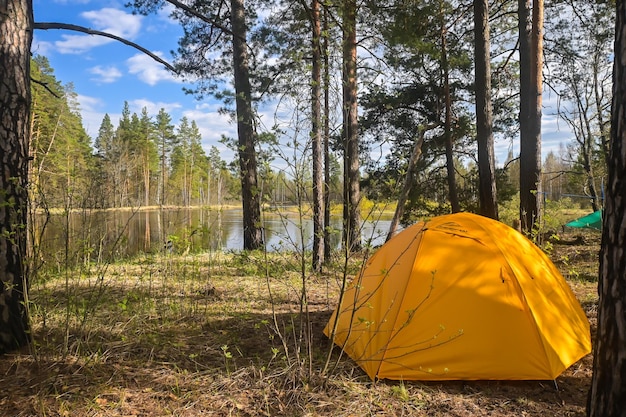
(143, 161)
(146, 160)
(420, 60)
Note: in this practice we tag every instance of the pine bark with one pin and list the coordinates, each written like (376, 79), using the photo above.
(16, 22)
(326, 135)
(531, 61)
(607, 396)
(250, 193)
(484, 112)
(455, 205)
(352, 215)
(316, 137)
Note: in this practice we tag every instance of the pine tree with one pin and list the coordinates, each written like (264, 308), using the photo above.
(61, 149)
(15, 101)
(104, 143)
(223, 27)
(189, 164)
(607, 395)
(165, 139)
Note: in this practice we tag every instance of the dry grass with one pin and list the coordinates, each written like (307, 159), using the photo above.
(195, 335)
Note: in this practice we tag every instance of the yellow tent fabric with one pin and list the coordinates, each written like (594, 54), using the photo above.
(460, 297)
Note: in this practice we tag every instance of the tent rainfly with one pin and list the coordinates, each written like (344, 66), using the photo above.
(460, 297)
(590, 221)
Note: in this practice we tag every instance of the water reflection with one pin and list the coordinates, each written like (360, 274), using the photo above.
(110, 235)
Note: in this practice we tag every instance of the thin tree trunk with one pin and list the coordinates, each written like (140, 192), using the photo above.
(327, 178)
(449, 141)
(587, 155)
(250, 193)
(531, 61)
(537, 103)
(163, 145)
(16, 21)
(146, 180)
(352, 215)
(484, 114)
(602, 125)
(191, 179)
(208, 192)
(316, 135)
(408, 180)
(607, 397)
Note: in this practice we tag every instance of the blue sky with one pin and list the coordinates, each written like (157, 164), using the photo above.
(105, 73)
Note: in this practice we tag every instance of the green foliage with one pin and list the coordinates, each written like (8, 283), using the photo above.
(167, 165)
(400, 391)
(62, 165)
(556, 214)
(190, 165)
(410, 99)
(583, 36)
(508, 211)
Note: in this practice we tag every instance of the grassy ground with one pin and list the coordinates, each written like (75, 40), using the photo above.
(220, 335)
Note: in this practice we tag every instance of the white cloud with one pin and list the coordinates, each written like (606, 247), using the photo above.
(207, 106)
(89, 103)
(109, 20)
(164, 14)
(212, 126)
(77, 44)
(90, 110)
(115, 21)
(153, 107)
(41, 47)
(148, 70)
(105, 74)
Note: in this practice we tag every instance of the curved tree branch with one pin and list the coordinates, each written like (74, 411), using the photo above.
(66, 26)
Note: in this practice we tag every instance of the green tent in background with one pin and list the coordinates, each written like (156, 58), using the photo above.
(591, 221)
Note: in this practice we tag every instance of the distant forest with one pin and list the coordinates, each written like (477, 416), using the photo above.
(143, 161)
(152, 160)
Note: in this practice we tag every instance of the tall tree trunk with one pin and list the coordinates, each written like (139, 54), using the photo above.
(598, 95)
(146, 179)
(352, 215)
(447, 126)
(316, 136)
(252, 231)
(607, 397)
(16, 22)
(531, 61)
(587, 154)
(163, 169)
(326, 135)
(484, 115)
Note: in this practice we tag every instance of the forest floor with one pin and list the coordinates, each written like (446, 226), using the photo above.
(203, 335)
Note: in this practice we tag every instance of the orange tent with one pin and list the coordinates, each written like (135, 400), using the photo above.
(460, 296)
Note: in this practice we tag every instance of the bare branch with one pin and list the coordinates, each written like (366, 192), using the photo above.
(45, 85)
(76, 28)
(200, 16)
(510, 162)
